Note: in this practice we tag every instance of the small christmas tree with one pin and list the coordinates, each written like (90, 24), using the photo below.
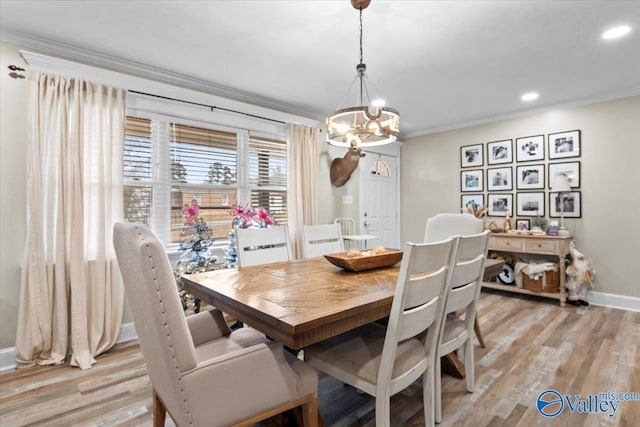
(244, 216)
(194, 245)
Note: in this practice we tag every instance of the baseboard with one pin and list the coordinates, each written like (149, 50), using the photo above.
(622, 302)
(8, 355)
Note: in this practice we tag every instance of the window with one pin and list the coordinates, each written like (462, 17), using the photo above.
(167, 164)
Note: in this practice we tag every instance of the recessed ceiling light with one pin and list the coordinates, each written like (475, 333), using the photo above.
(529, 96)
(615, 32)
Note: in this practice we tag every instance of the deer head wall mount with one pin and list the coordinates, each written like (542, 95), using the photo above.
(342, 168)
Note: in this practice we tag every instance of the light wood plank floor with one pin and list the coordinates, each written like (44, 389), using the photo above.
(532, 345)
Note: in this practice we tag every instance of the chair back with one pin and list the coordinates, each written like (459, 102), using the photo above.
(318, 240)
(418, 305)
(347, 228)
(258, 246)
(165, 340)
(443, 225)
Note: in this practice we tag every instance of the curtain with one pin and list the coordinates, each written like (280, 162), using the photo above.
(72, 297)
(302, 181)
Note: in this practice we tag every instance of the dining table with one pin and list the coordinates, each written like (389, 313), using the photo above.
(302, 302)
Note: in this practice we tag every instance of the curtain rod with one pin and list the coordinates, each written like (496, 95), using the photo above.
(211, 107)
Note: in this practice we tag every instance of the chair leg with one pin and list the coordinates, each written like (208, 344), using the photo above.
(437, 392)
(383, 413)
(310, 414)
(159, 411)
(476, 328)
(427, 397)
(469, 364)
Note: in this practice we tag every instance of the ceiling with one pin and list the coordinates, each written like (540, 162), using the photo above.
(442, 64)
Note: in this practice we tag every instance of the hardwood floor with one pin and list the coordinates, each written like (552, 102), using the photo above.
(532, 345)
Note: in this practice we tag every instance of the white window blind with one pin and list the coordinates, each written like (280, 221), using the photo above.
(268, 176)
(168, 164)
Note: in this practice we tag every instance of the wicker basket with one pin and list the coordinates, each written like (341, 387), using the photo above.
(548, 283)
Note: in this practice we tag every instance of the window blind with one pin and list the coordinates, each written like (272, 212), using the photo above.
(268, 176)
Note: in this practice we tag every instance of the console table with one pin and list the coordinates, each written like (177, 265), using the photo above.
(532, 245)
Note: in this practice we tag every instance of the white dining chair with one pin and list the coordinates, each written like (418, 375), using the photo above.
(457, 332)
(318, 240)
(347, 228)
(383, 361)
(257, 246)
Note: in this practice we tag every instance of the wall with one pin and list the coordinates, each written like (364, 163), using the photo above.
(608, 231)
(13, 133)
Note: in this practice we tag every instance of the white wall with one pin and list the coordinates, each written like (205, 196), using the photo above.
(608, 232)
(13, 130)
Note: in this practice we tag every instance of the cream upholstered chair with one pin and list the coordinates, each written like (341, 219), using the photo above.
(457, 333)
(318, 240)
(383, 361)
(257, 246)
(202, 373)
(443, 225)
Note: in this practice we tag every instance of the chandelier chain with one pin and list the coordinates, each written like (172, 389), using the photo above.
(361, 36)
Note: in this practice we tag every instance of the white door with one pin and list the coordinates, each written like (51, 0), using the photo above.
(379, 200)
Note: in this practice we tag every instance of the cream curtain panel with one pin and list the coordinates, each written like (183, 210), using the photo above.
(302, 181)
(72, 297)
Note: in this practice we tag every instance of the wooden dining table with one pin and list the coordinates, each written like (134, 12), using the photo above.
(302, 302)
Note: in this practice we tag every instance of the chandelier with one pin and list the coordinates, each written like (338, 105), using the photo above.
(365, 125)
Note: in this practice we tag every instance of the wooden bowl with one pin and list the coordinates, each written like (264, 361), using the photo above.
(363, 263)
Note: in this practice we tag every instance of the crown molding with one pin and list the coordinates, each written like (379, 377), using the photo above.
(113, 63)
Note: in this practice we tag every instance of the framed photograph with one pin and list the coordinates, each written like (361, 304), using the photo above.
(564, 144)
(530, 204)
(523, 224)
(500, 152)
(572, 205)
(530, 177)
(530, 148)
(471, 180)
(500, 204)
(571, 169)
(475, 201)
(471, 155)
(499, 179)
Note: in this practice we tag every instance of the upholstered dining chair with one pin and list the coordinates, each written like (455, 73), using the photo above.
(203, 374)
(257, 246)
(318, 240)
(443, 225)
(383, 361)
(457, 332)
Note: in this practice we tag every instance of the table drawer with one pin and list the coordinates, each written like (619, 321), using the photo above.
(506, 244)
(541, 246)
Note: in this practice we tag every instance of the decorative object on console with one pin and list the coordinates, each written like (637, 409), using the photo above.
(523, 225)
(561, 186)
(538, 223)
(363, 125)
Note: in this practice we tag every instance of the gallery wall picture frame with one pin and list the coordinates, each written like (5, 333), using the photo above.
(471, 180)
(499, 204)
(530, 204)
(499, 152)
(472, 156)
(523, 224)
(571, 169)
(572, 204)
(530, 177)
(500, 179)
(472, 200)
(564, 144)
(530, 148)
